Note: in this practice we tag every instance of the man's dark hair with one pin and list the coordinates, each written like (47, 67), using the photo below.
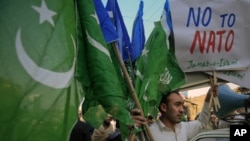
(106, 123)
(164, 98)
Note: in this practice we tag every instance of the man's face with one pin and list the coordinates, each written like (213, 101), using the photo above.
(107, 120)
(174, 108)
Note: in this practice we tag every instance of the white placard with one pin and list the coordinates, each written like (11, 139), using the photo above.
(211, 34)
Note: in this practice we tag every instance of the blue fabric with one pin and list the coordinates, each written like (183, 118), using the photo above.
(124, 40)
(138, 35)
(106, 24)
(168, 16)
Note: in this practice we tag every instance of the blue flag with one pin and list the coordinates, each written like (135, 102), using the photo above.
(124, 41)
(168, 16)
(138, 36)
(106, 24)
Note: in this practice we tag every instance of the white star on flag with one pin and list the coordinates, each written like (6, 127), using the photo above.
(45, 13)
(145, 52)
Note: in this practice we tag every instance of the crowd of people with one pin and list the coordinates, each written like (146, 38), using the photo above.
(170, 123)
(108, 131)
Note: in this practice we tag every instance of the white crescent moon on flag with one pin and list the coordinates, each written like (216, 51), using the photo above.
(47, 77)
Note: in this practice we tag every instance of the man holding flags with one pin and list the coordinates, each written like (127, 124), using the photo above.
(170, 125)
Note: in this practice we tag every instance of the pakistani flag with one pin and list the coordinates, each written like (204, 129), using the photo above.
(157, 71)
(39, 95)
(104, 93)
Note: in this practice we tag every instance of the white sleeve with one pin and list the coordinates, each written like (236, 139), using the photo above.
(204, 115)
(196, 126)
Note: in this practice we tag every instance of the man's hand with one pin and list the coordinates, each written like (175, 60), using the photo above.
(212, 92)
(138, 118)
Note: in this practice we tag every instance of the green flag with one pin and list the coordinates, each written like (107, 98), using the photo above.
(39, 95)
(105, 91)
(157, 71)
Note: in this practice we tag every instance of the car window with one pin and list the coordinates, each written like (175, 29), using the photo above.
(214, 139)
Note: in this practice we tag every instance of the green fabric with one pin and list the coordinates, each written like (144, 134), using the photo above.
(105, 88)
(35, 104)
(157, 71)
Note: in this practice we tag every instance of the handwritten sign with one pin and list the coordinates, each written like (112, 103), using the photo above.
(211, 35)
(238, 77)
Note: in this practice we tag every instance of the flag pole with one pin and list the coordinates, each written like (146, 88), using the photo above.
(214, 98)
(130, 85)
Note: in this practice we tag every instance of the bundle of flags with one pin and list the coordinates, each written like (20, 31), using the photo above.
(157, 70)
(53, 54)
(104, 90)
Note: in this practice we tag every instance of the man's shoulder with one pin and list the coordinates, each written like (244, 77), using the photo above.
(156, 124)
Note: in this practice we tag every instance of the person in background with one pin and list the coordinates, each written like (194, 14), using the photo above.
(239, 114)
(187, 113)
(169, 126)
(116, 135)
(223, 124)
(80, 131)
(213, 122)
(102, 133)
(150, 119)
(184, 116)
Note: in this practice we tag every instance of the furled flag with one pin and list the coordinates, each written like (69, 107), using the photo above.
(124, 41)
(138, 35)
(38, 92)
(106, 24)
(105, 91)
(168, 26)
(167, 14)
(157, 71)
(110, 35)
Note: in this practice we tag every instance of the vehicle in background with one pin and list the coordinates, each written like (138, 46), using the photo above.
(213, 135)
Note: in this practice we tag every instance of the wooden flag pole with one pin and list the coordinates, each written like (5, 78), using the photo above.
(130, 85)
(214, 99)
